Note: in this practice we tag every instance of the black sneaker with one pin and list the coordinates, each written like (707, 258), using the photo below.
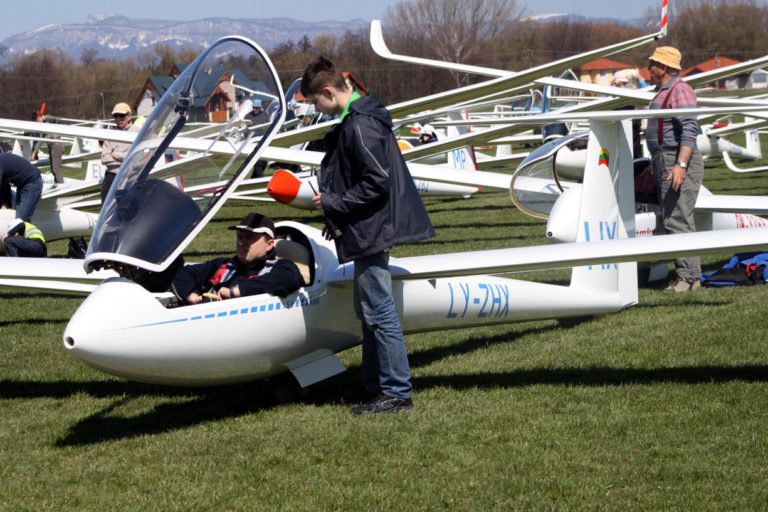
(360, 397)
(383, 403)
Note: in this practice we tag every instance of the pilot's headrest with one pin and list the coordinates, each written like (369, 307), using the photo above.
(297, 253)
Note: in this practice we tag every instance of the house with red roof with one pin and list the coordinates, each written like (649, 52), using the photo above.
(734, 82)
(214, 98)
(601, 71)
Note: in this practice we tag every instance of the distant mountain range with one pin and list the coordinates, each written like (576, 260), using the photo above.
(649, 24)
(116, 37)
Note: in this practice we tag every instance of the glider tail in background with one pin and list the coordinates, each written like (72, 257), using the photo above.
(555, 130)
(753, 143)
(607, 207)
(463, 157)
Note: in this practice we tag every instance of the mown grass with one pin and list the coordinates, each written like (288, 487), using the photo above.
(659, 407)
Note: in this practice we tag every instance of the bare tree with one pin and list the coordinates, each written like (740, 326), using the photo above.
(454, 30)
(88, 56)
(707, 28)
(325, 45)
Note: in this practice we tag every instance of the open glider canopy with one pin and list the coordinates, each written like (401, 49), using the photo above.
(535, 185)
(148, 219)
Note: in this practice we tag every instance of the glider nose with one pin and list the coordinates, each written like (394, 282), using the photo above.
(80, 330)
(79, 335)
(86, 329)
(99, 332)
(286, 188)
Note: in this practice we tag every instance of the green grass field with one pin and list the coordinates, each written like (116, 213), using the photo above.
(659, 407)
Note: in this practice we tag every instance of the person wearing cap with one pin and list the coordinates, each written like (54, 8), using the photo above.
(369, 203)
(620, 79)
(25, 240)
(304, 112)
(17, 171)
(427, 134)
(306, 118)
(677, 165)
(257, 115)
(254, 269)
(113, 153)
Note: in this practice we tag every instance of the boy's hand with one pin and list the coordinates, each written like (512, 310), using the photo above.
(318, 202)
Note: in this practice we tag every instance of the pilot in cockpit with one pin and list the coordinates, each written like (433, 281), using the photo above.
(255, 269)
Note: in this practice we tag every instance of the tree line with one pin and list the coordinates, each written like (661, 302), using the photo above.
(490, 33)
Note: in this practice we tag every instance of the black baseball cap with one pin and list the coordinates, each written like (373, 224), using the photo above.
(257, 223)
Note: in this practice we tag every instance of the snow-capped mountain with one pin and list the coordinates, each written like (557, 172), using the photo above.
(120, 37)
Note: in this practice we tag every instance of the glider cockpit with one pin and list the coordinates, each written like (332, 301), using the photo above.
(538, 180)
(153, 212)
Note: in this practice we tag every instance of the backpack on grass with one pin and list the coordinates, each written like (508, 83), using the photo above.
(743, 269)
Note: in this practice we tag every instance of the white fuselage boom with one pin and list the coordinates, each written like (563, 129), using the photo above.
(239, 340)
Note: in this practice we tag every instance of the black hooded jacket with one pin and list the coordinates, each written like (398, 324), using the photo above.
(368, 193)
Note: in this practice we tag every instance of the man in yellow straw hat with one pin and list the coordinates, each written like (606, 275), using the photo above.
(113, 153)
(676, 162)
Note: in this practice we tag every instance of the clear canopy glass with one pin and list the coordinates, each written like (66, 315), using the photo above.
(535, 185)
(191, 153)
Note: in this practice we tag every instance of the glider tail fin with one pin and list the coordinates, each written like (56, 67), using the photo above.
(551, 131)
(464, 157)
(753, 144)
(607, 208)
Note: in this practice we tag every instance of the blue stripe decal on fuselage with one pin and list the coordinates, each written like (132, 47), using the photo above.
(300, 302)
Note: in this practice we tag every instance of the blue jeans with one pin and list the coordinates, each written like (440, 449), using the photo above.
(27, 198)
(385, 361)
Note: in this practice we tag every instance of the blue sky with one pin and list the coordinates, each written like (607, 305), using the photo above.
(20, 16)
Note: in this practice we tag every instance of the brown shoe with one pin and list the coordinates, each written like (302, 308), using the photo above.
(680, 285)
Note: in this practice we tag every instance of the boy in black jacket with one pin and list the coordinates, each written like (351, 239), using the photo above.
(370, 203)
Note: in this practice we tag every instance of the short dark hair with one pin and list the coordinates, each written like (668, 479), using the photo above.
(319, 73)
(34, 115)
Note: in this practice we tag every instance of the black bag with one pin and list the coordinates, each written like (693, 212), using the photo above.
(745, 269)
(77, 248)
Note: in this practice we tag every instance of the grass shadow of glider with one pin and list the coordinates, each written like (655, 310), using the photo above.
(233, 401)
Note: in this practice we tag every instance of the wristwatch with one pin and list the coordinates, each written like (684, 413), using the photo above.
(682, 164)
